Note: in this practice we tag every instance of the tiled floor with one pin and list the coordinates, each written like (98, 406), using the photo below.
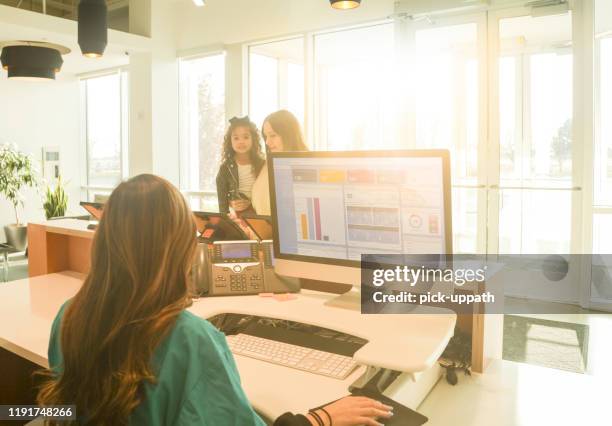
(600, 339)
(512, 394)
(519, 394)
(18, 268)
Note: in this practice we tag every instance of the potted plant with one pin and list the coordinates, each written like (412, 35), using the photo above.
(16, 172)
(56, 200)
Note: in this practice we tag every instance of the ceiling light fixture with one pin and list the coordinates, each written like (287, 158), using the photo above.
(198, 2)
(93, 29)
(345, 4)
(32, 60)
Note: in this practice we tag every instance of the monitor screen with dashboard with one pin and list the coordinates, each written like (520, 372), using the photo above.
(332, 207)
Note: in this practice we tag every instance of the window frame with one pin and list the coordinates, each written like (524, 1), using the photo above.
(310, 118)
(591, 205)
(183, 149)
(282, 69)
(606, 206)
(87, 189)
(584, 116)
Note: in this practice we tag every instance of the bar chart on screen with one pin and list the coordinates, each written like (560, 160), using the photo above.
(320, 214)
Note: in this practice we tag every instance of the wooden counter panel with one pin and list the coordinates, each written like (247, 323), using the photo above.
(37, 250)
(50, 251)
(79, 254)
(17, 384)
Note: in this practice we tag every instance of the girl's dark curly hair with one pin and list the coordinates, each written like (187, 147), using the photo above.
(255, 153)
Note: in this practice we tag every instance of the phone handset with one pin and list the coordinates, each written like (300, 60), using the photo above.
(201, 269)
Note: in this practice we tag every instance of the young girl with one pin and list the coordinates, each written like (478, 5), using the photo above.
(281, 132)
(242, 161)
(126, 350)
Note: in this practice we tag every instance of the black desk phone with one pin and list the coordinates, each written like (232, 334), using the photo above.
(236, 268)
(228, 263)
(226, 268)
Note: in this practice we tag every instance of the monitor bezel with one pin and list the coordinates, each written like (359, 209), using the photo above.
(225, 222)
(249, 218)
(97, 206)
(444, 154)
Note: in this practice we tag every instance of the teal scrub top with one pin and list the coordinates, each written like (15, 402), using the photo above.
(197, 378)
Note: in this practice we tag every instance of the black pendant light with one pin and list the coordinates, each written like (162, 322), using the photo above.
(93, 31)
(345, 4)
(29, 60)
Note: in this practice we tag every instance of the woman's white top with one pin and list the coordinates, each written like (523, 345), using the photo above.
(260, 198)
(246, 178)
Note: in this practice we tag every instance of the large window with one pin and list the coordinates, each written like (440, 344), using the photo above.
(202, 124)
(446, 98)
(600, 294)
(105, 130)
(535, 134)
(354, 92)
(499, 89)
(496, 88)
(603, 145)
(276, 78)
(446, 112)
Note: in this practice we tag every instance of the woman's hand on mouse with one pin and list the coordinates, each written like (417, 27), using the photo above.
(352, 411)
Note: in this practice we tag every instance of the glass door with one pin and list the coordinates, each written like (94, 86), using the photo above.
(599, 274)
(534, 189)
(447, 109)
(496, 89)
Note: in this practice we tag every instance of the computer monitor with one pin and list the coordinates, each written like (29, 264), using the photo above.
(329, 208)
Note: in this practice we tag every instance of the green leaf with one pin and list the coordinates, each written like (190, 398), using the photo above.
(16, 172)
(56, 200)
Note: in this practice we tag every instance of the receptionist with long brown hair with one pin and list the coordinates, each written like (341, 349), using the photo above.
(125, 350)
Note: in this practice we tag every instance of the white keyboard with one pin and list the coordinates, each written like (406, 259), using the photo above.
(293, 356)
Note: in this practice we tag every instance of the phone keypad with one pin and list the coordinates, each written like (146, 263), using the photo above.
(248, 281)
(238, 282)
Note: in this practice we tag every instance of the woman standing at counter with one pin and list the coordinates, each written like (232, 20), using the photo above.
(281, 133)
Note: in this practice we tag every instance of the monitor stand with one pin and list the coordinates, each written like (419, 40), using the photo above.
(350, 300)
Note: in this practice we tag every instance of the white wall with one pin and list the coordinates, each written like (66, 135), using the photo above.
(165, 96)
(603, 16)
(154, 144)
(37, 114)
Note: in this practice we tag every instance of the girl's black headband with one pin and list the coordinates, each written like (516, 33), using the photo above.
(240, 120)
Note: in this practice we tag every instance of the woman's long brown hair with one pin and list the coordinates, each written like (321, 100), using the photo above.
(137, 286)
(288, 128)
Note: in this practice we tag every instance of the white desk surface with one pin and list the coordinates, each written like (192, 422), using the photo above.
(76, 227)
(402, 342)
(27, 309)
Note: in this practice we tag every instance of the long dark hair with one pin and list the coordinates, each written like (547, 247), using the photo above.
(288, 128)
(255, 153)
(137, 286)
